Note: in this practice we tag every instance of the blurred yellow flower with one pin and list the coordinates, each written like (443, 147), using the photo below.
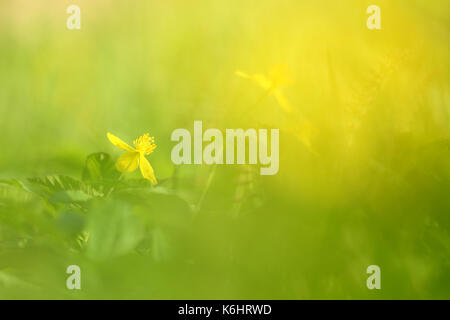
(134, 157)
(279, 77)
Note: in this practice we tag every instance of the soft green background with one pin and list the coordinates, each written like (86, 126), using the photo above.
(373, 188)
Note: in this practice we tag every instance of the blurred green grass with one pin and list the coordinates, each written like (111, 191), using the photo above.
(376, 192)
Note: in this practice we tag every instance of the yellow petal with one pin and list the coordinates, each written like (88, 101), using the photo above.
(128, 162)
(119, 143)
(147, 170)
(262, 81)
(242, 74)
(282, 100)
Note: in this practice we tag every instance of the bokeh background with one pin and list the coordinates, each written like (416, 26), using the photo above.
(364, 156)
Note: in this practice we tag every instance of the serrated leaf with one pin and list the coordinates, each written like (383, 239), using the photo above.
(11, 190)
(59, 188)
(70, 196)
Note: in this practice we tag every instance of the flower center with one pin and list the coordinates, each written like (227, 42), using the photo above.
(145, 144)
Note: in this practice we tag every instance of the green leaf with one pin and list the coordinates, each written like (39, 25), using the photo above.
(71, 222)
(53, 183)
(12, 191)
(59, 189)
(113, 228)
(70, 196)
(100, 171)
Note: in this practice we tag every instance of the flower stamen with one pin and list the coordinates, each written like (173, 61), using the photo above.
(145, 144)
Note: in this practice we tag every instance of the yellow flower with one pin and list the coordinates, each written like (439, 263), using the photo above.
(134, 157)
(279, 77)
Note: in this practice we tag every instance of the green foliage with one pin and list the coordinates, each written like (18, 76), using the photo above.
(113, 229)
(373, 188)
(100, 172)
